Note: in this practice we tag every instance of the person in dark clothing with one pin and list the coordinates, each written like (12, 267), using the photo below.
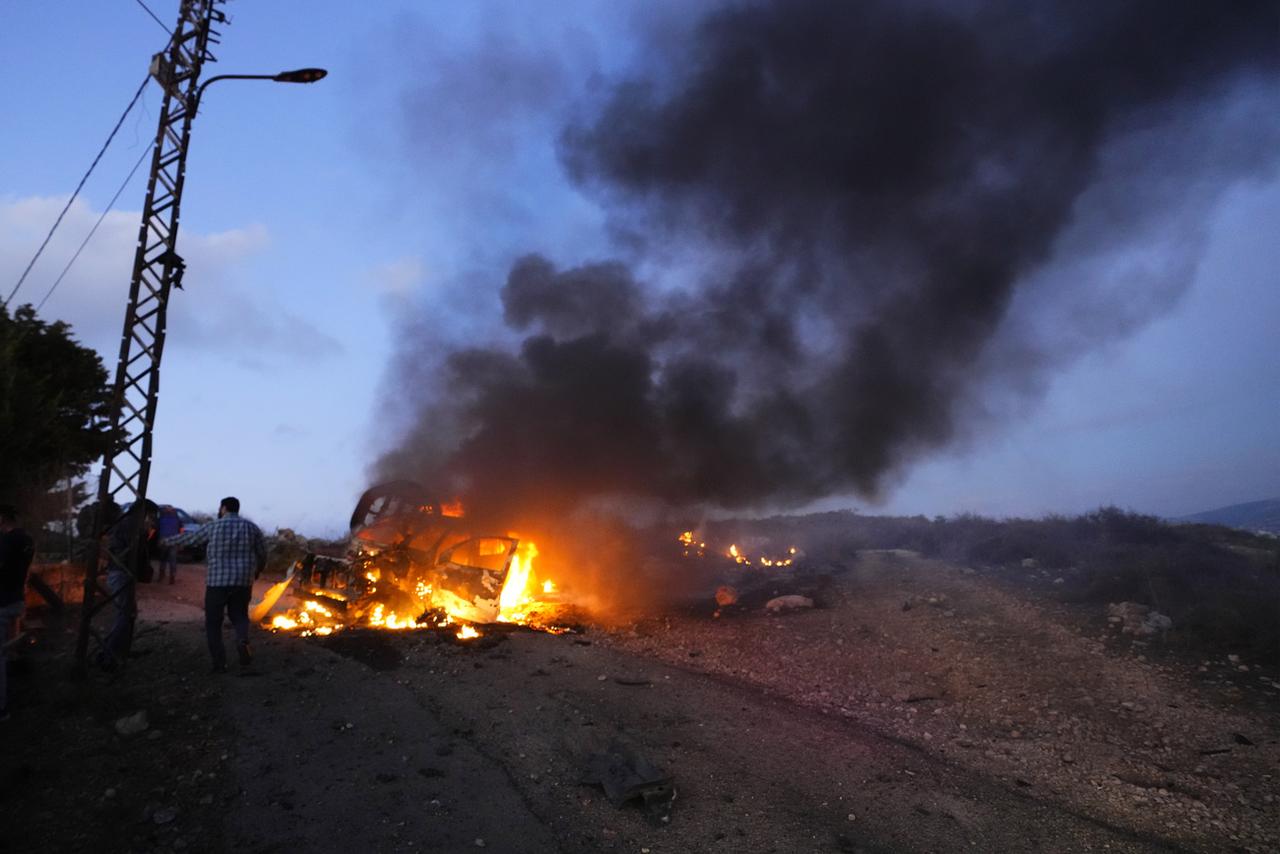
(129, 538)
(17, 550)
(168, 525)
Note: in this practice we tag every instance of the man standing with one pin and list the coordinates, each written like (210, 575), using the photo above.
(236, 554)
(129, 560)
(169, 525)
(16, 551)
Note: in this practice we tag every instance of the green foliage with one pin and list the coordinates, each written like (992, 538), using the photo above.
(53, 405)
(1220, 585)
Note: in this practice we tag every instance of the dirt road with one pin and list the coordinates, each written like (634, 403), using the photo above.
(753, 773)
(387, 741)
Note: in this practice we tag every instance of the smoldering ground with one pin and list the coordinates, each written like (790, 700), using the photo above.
(840, 228)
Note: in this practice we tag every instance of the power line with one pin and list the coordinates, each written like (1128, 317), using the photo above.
(88, 236)
(79, 186)
(154, 18)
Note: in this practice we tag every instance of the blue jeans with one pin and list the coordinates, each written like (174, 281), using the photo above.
(9, 616)
(124, 598)
(169, 560)
(234, 601)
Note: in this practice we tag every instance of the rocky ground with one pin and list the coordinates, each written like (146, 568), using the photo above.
(1051, 698)
(919, 707)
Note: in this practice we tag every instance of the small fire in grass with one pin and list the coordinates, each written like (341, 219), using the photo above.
(693, 547)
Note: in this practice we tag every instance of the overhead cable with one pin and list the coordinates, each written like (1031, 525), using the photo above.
(49, 236)
(87, 237)
(154, 18)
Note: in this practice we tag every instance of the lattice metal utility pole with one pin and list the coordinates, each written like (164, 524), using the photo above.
(157, 268)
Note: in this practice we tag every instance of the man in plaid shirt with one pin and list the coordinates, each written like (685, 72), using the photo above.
(236, 555)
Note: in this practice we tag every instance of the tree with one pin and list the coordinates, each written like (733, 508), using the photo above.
(54, 403)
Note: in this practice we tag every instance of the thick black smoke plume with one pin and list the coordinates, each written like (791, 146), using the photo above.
(864, 187)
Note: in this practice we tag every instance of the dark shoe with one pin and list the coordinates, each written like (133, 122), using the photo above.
(246, 654)
(218, 668)
(4, 714)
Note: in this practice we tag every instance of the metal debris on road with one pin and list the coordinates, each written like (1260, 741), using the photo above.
(624, 776)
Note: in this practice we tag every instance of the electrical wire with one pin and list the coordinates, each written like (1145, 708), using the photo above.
(88, 236)
(58, 221)
(154, 18)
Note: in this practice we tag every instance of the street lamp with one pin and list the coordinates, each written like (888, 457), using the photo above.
(298, 75)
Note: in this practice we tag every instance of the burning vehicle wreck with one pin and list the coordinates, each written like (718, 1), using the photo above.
(413, 562)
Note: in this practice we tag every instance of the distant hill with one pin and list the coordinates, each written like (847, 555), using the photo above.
(1253, 516)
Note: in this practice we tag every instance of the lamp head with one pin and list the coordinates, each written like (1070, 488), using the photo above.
(301, 75)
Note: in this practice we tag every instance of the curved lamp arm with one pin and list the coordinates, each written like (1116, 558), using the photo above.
(298, 75)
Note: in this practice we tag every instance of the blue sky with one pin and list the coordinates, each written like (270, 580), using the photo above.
(322, 223)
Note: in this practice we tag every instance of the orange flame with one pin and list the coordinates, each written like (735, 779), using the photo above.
(519, 601)
(515, 591)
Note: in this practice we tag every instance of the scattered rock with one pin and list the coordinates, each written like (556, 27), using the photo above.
(164, 815)
(788, 603)
(1137, 619)
(133, 724)
(726, 596)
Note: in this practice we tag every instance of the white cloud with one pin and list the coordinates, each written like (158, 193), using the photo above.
(215, 311)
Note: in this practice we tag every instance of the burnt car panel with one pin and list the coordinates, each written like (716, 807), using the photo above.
(411, 555)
